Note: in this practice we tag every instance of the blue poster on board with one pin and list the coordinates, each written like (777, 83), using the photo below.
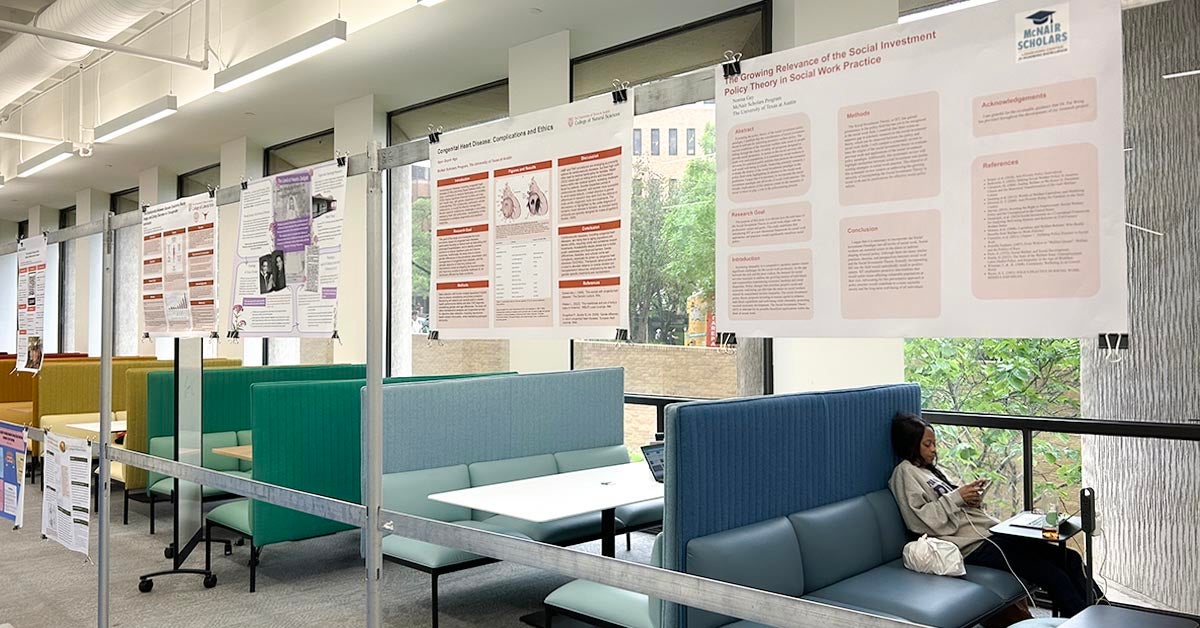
(12, 474)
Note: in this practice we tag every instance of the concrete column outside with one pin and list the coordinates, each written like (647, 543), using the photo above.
(240, 158)
(355, 123)
(539, 76)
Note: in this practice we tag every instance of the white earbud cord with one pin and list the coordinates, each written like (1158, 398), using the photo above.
(1002, 555)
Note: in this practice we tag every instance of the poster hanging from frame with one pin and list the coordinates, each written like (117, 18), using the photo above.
(31, 303)
(179, 267)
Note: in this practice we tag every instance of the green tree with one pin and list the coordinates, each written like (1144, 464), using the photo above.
(690, 227)
(421, 249)
(650, 288)
(1029, 377)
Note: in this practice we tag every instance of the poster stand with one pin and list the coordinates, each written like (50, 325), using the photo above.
(188, 505)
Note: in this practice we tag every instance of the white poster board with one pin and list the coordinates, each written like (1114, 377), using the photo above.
(13, 454)
(67, 491)
(961, 175)
(179, 267)
(530, 224)
(31, 303)
(289, 254)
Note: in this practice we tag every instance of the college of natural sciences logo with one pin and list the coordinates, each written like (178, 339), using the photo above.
(1043, 33)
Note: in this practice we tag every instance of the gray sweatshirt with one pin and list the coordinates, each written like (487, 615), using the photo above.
(932, 507)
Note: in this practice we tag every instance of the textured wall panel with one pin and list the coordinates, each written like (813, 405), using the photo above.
(1148, 490)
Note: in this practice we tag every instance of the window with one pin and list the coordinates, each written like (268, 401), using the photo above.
(691, 141)
(653, 141)
(637, 141)
(672, 141)
(410, 216)
(66, 283)
(22, 229)
(199, 181)
(124, 201)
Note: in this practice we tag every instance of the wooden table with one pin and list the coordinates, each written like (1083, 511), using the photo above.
(94, 428)
(241, 452)
(561, 495)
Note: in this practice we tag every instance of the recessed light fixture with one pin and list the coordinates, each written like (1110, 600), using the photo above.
(138, 118)
(328, 35)
(1175, 75)
(429, 3)
(41, 161)
(942, 10)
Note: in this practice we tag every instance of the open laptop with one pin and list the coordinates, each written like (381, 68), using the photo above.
(655, 454)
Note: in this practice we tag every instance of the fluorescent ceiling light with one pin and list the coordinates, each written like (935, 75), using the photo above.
(1, 182)
(8, 135)
(429, 3)
(44, 160)
(290, 52)
(942, 10)
(1181, 74)
(136, 119)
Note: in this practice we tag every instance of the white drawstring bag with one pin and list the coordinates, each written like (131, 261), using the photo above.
(934, 556)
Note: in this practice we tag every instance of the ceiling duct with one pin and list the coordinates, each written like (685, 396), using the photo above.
(29, 60)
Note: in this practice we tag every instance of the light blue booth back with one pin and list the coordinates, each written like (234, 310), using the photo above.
(741, 461)
(438, 424)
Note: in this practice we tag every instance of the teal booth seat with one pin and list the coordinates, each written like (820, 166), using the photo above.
(306, 435)
(587, 601)
(162, 487)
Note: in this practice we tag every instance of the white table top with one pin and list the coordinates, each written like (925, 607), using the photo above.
(117, 426)
(552, 497)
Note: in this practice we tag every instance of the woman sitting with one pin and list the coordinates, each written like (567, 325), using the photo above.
(932, 505)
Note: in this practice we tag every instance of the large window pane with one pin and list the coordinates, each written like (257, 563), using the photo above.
(410, 221)
(199, 181)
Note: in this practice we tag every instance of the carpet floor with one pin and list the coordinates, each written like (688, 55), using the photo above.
(317, 582)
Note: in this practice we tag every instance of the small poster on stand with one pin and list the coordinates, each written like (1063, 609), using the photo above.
(12, 474)
(67, 491)
(31, 299)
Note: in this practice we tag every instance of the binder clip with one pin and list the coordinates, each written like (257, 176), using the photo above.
(341, 160)
(433, 337)
(732, 65)
(145, 335)
(212, 192)
(435, 134)
(336, 337)
(620, 92)
(1111, 345)
(145, 206)
(726, 341)
(214, 335)
(245, 183)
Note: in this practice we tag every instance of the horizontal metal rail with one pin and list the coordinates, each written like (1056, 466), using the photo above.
(1088, 427)
(39, 435)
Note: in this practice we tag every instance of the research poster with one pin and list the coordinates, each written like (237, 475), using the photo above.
(67, 491)
(956, 176)
(179, 267)
(530, 224)
(12, 474)
(289, 254)
(31, 302)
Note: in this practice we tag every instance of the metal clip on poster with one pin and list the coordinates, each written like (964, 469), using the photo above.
(622, 337)
(145, 206)
(212, 192)
(341, 162)
(732, 65)
(245, 183)
(435, 134)
(433, 337)
(214, 335)
(336, 337)
(620, 91)
(726, 341)
(1112, 344)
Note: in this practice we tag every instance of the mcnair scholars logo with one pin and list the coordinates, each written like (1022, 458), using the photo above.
(1043, 33)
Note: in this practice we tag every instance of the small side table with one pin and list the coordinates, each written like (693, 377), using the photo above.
(1067, 529)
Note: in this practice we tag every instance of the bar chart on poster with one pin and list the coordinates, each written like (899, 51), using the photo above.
(961, 175)
(531, 224)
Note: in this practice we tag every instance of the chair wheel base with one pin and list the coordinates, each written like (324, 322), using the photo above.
(145, 586)
(210, 581)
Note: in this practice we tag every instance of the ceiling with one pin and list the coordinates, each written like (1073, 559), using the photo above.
(19, 11)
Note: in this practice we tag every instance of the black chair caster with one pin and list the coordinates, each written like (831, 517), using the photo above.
(169, 551)
(210, 581)
(145, 586)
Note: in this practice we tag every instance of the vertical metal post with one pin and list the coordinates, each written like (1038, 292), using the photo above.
(373, 430)
(1027, 460)
(106, 358)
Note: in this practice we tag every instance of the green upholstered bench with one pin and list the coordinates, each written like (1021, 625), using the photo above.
(162, 487)
(409, 491)
(605, 606)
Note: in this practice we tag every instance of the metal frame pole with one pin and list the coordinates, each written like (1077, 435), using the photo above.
(373, 432)
(106, 358)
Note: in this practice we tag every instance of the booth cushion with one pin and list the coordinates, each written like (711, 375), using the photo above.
(217, 462)
(507, 470)
(591, 458)
(640, 514)
(1002, 583)
(408, 492)
(554, 532)
(839, 540)
(613, 605)
(922, 598)
(234, 515)
(245, 437)
(435, 556)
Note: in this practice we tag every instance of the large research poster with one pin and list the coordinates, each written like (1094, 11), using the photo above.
(289, 254)
(531, 224)
(31, 302)
(67, 491)
(179, 267)
(955, 176)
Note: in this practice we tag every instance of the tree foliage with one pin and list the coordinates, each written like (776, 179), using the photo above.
(689, 229)
(421, 248)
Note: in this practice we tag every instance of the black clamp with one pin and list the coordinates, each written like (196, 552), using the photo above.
(732, 65)
(726, 339)
(145, 206)
(435, 134)
(341, 160)
(620, 92)
(233, 334)
(1111, 342)
(336, 337)
(245, 183)
(622, 335)
(145, 335)
(212, 192)
(214, 335)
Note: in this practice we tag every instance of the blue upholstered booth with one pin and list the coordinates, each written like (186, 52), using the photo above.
(788, 493)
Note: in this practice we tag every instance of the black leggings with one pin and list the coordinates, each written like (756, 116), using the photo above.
(1040, 563)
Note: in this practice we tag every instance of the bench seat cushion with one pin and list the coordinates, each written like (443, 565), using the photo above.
(922, 598)
(437, 556)
(640, 514)
(554, 532)
(234, 515)
(166, 485)
(19, 412)
(613, 605)
(409, 492)
(580, 459)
